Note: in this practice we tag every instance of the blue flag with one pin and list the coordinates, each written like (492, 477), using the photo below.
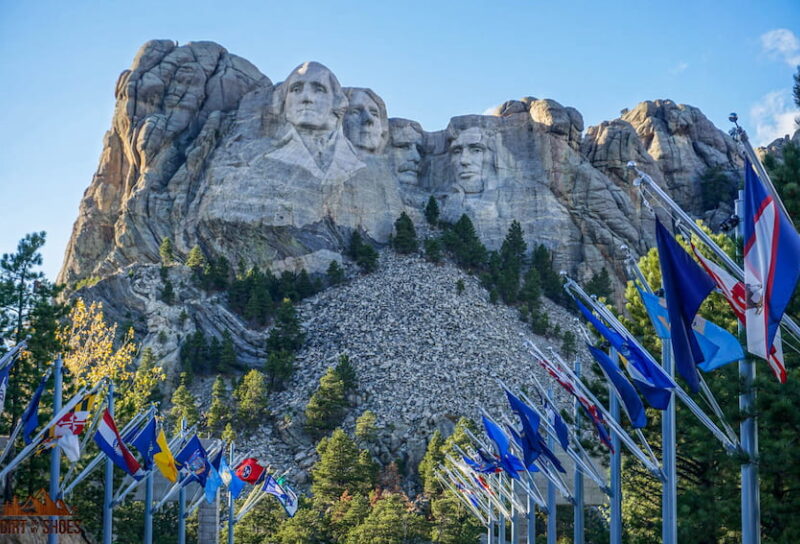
(686, 286)
(500, 439)
(194, 459)
(230, 479)
(633, 404)
(719, 347)
(653, 383)
(145, 442)
(30, 417)
(4, 383)
(562, 432)
(213, 482)
(771, 265)
(530, 428)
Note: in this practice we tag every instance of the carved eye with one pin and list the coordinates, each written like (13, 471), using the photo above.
(374, 112)
(320, 88)
(296, 87)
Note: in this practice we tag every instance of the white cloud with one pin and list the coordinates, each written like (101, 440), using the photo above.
(774, 116)
(783, 44)
(679, 68)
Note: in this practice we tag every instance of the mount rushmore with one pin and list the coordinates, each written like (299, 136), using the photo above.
(206, 150)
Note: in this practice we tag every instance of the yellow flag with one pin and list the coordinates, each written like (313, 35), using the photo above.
(164, 459)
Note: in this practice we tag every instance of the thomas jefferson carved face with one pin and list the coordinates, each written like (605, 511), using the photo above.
(362, 123)
(310, 98)
(405, 153)
(467, 153)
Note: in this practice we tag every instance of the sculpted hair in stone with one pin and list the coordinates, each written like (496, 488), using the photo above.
(339, 98)
(488, 138)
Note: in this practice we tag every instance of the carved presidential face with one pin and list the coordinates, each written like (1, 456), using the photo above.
(362, 122)
(405, 153)
(467, 154)
(310, 98)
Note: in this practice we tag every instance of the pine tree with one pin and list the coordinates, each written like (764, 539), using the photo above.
(251, 395)
(512, 258)
(184, 406)
(347, 373)
(599, 284)
(463, 243)
(335, 273)
(304, 286)
(433, 250)
(365, 427)
(286, 335)
(228, 434)
(227, 356)
(166, 252)
(568, 346)
(391, 521)
(542, 261)
(430, 463)
(219, 414)
(278, 367)
(432, 211)
(326, 406)
(196, 260)
(168, 293)
(339, 469)
(347, 514)
(362, 253)
(531, 292)
(405, 238)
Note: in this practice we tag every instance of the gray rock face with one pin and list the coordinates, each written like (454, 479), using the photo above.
(205, 150)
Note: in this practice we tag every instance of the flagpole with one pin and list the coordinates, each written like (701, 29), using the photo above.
(577, 529)
(231, 519)
(182, 498)
(551, 488)
(669, 488)
(531, 515)
(148, 509)
(616, 464)
(108, 485)
(55, 454)
(748, 428)
(515, 517)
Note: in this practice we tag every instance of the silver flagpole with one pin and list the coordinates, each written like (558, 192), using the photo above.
(616, 465)
(748, 428)
(577, 529)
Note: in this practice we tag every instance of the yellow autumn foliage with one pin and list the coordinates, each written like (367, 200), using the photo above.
(93, 349)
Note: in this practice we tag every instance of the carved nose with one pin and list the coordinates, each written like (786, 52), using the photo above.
(366, 119)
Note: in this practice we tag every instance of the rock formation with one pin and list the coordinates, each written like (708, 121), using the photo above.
(204, 150)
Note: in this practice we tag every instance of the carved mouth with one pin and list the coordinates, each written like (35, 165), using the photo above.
(409, 168)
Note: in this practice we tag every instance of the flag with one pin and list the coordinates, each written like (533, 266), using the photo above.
(469, 494)
(234, 483)
(530, 428)
(163, 458)
(285, 494)
(30, 417)
(594, 413)
(562, 432)
(4, 383)
(630, 400)
(194, 459)
(719, 347)
(145, 442)
(653, 383)
(686, 286)
(771, 263)
(482, 466)
(289, 500)
(734, 293)
(500, 440)
(110, 442)
(70, 426)
(213, 481)
(249, 470)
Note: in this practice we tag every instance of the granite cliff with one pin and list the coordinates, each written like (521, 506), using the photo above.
(207, 151)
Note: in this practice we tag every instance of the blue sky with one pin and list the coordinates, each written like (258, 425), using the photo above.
(429, 60)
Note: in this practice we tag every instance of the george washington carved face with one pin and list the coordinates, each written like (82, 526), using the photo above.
(313, 98)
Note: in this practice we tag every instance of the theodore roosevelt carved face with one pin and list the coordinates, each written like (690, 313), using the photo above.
(405, 150)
